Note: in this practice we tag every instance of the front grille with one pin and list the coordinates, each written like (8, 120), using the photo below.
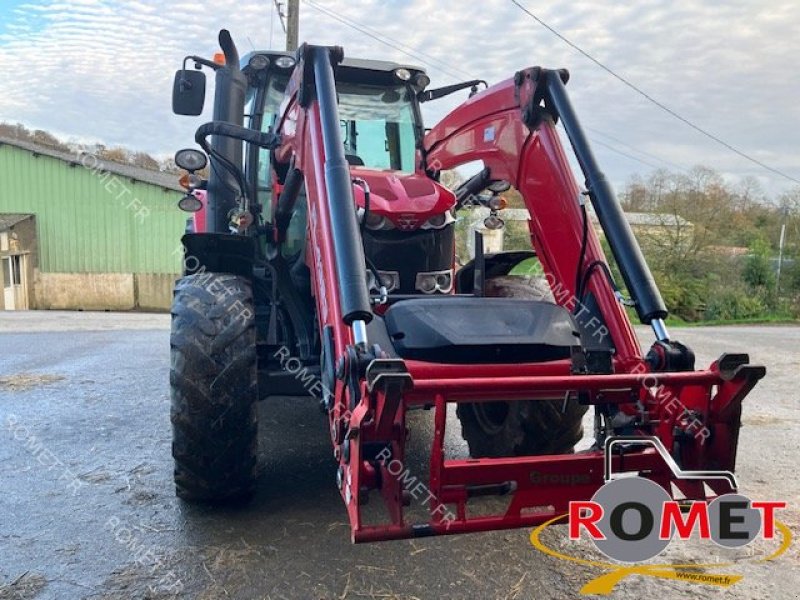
(410, 253)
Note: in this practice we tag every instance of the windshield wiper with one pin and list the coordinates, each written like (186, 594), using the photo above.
(449, 89)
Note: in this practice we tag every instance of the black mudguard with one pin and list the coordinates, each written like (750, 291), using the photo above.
(218, 253)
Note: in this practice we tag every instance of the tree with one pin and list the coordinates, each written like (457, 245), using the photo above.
(144, 161)
(697, 228)
(116, 154)
(757, 272)
(44, 138)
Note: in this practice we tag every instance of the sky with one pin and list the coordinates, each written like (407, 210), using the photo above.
(101, 70)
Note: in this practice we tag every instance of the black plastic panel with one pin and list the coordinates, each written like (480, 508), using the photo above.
(481, 330)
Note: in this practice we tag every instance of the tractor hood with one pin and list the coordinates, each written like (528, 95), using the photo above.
(407, 200)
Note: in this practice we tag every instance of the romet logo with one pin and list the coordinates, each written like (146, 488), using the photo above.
(631, 520)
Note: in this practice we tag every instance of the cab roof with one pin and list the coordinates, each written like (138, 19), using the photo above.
(358, 64)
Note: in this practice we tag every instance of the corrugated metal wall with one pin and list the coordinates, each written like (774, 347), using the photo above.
(89, 221)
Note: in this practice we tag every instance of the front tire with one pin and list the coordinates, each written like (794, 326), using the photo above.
(214, 388)
(525, 427)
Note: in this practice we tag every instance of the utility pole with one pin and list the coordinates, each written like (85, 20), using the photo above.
(292, 24)
(780, 251)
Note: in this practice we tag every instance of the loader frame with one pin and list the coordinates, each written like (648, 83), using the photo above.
(511, 128)
(655, 415)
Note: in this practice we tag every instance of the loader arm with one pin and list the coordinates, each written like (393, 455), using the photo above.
(311, 139)
(511, 128)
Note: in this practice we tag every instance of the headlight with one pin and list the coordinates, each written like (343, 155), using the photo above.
(402, 74)
(493, 222)
(422, 81)
(190, 159)
(435, 281)
(258, 62)
(377, 222)
(190, 203)
(439, 221)
(389, 279)
(284, 62)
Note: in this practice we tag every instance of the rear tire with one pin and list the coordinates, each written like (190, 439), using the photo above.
(522, 428)
(526, 427)
(214, 388)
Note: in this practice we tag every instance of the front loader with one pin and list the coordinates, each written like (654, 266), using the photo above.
(327, 241)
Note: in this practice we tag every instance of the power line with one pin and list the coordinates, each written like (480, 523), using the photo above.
(635, 149)
(610, 147)
(409, 50)
(418, 55)
(383, 39)
(653, 100)
(396, 44)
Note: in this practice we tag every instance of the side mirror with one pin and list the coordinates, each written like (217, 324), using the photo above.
(188, 92)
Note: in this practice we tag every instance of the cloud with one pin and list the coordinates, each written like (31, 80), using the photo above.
(102, 69)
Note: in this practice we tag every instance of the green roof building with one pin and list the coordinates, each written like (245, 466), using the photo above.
(77, 232)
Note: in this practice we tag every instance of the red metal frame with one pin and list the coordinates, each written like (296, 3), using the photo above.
(489, 127)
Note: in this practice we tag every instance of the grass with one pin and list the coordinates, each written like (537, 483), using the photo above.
(529, 267)
(766, 319)
(674, 321)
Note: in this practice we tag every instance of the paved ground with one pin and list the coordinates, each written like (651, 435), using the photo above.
(87, 507)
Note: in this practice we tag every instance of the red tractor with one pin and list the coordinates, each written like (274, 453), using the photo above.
(328, 243)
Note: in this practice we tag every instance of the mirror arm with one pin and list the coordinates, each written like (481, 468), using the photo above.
(201, 61)
(472, 186)
(185, 83)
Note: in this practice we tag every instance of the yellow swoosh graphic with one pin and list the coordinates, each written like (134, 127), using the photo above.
(604, 584)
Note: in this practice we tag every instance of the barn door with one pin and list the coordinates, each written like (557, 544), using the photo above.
(14, 291)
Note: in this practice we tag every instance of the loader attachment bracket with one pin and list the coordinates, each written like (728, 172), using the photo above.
(389, 378)
(531, 91)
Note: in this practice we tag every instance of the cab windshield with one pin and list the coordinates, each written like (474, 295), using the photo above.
(378, 126)
(377, 123)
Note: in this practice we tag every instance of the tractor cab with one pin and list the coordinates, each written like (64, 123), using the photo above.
(380, 123)
(406, 218)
